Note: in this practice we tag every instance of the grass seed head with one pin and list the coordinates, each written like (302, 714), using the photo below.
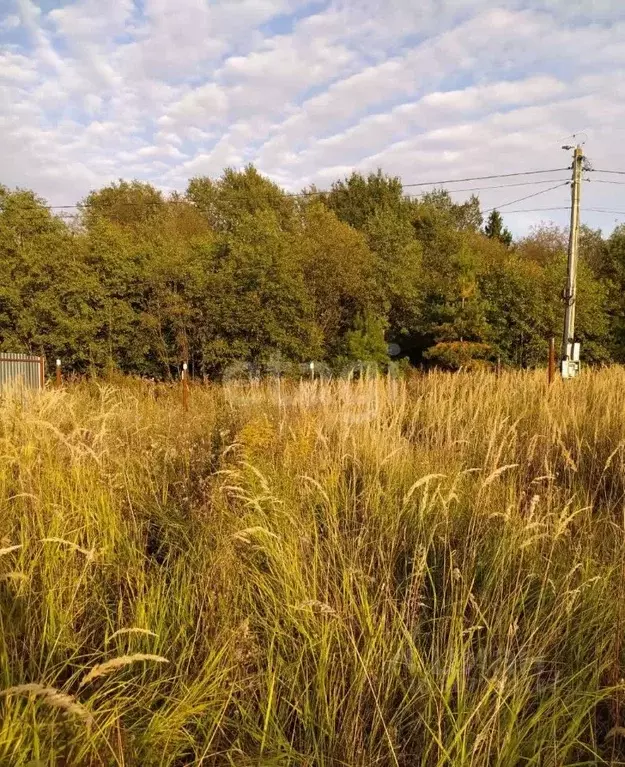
(9, 549)
(88, 553)
(131, 630)
(103, 669)
(51, 697)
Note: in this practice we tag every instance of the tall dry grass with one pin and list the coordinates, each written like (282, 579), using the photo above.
(420, 572)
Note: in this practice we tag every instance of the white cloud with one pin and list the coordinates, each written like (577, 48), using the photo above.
(200, 107)
(161, 151)
(90, 92)
(12, 21)
(16, 68)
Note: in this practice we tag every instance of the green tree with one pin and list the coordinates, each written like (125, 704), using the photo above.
(366, 341)
(546, 249)
(48, 299)
(356, 199)
(256, 300)
(131, 204)
(495, 230)
(339, 271)
(148, 255)
(613, 273)
(238, 270)
(398, 270)
(453, 308)
(224, 202)
(435, 210)
(376, 205)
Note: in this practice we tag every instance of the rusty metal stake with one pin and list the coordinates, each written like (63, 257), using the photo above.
(185, 387)
(551, 369)
(59, 375)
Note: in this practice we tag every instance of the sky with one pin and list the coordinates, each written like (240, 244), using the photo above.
(92, 91)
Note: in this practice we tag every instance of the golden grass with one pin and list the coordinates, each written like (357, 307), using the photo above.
(131, 630)
(104, 669)
(51, 697)
(10, 549)
(380, 572)
(89, 554)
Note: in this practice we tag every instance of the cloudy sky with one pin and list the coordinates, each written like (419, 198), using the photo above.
(307, 90)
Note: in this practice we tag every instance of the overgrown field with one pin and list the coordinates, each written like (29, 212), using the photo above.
(420, 572)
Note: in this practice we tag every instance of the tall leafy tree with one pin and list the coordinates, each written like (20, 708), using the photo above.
(357, 198)
(495, 230)
(339, 272)
(256, 302)
(48, 298)
(129, 204)
(398, 270)
(453, 310)
(613, 272)
(225, 201)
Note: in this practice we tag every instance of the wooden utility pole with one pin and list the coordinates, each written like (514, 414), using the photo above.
(569, 366)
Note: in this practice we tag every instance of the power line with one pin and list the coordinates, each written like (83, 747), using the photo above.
(484, 178)
(78, 206)
(606, 210)
(507, 186)
(328, 191)
(603, 181)
(445, 181)
(508, 212)
(527, 197)
(617, 172)
(535, 210)
(122, 203)
(584, 210)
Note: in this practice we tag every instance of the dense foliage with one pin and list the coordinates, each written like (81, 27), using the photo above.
(238, 271)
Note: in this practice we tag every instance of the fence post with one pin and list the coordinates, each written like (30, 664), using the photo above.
(185, 387)
(42, 372)
(551, 368)
(59, 375)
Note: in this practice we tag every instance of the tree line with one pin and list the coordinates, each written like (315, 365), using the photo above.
(237, 270)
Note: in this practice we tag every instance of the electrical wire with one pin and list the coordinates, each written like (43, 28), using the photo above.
(535, 210)
(484, 178)
(567, 208)
(527, 197)
(606, 210)
(147, 203)
(446, 181)
(508, 212)
(505, 186)
(404, 186)
(603, 181)
(617, 172)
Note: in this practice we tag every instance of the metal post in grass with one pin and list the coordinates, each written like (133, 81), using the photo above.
(551, 368)
(59, 375)
(185, 387)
